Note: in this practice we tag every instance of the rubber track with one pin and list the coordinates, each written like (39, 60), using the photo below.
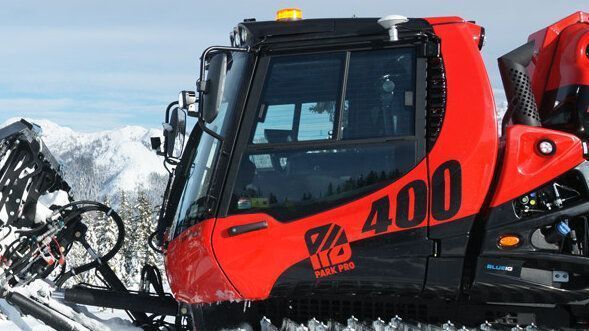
(395, 324)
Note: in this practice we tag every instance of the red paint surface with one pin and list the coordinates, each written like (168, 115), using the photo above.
(193, 272)
(560, 58)
(253, 262)
(524, 168)
(469, 132)
(206, 265)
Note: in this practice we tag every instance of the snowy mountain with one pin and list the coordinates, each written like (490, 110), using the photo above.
(106, 163)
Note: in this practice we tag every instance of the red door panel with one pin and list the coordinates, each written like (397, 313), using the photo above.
(254, 261)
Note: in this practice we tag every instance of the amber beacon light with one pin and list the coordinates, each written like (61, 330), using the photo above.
(289, 14)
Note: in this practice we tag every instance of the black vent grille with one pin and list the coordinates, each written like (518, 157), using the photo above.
(523, 102)
(436, 99)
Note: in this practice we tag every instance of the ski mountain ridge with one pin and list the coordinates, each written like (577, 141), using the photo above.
(105, 163)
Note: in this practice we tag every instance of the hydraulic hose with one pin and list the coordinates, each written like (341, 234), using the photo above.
(93, 207)
(119, 300)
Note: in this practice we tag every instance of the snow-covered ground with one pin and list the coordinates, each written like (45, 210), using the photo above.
(113, 319)
(92, 318)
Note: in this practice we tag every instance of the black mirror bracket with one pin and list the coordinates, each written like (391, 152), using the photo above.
(202, 84)
(188, 101)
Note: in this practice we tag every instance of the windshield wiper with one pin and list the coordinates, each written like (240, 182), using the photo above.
(210, 132)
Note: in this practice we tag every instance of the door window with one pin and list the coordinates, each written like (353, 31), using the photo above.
(309, 151)
(300, 99)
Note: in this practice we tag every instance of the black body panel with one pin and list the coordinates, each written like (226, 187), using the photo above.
(392, 263)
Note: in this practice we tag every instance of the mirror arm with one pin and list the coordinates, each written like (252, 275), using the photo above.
(202, 84)
(169, 108)
(212, 49)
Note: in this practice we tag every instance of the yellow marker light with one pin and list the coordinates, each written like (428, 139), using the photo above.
(508, 241)
(289, 14)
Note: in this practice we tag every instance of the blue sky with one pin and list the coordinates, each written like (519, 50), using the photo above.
(95, 65)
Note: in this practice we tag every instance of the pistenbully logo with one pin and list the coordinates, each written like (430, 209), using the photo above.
(329, 250)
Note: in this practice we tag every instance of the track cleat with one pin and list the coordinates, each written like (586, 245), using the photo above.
(266, 325)
(449, 326)
(288, 325)
(396, 323)
(315, 325)
(335, 326)
(355, 325)
(378, 325)
(487, 326)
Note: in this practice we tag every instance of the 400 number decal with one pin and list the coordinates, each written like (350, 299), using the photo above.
(412, 201)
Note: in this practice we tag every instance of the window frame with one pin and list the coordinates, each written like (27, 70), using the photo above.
(247, 128)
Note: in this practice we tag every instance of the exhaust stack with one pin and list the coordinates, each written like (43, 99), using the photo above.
(522, 107)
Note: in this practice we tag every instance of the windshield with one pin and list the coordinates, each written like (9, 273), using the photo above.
(194, 205)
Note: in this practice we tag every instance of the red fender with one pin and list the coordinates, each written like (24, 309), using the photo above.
(525, 168)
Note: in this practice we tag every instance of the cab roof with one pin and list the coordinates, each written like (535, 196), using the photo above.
(325, 28)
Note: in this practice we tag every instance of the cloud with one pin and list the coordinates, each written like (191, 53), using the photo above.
(126, 60)
(86, 116)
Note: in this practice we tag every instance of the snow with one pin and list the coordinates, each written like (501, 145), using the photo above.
(84, 317)
(121, 158)
(111, 319)
(98, 165)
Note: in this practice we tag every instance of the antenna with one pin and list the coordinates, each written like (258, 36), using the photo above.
(390, 23)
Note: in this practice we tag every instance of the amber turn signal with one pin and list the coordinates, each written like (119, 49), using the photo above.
(509, 241)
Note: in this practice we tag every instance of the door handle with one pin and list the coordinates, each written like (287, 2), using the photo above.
(242, 229)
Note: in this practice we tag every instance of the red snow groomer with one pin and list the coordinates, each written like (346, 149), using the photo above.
(355, 166)
(338, 168)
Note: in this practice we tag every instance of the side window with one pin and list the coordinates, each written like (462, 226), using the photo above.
(278, 118)
(380, 94)
(295, 183)
(300, 99)
(316, 121)
(308, 152)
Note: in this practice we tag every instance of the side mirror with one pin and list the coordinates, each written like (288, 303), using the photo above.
(215, 84)
(174, 133)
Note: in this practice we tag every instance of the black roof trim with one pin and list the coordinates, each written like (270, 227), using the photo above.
(325, 28)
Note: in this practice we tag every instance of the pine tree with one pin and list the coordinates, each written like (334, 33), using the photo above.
(107, 234)
(145, 226)
(130, 264)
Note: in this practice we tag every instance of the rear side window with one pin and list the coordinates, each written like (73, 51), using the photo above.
(330, 127)
(300, 99)
(380, 95)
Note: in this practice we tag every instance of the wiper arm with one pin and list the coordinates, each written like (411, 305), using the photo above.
(212, 133)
